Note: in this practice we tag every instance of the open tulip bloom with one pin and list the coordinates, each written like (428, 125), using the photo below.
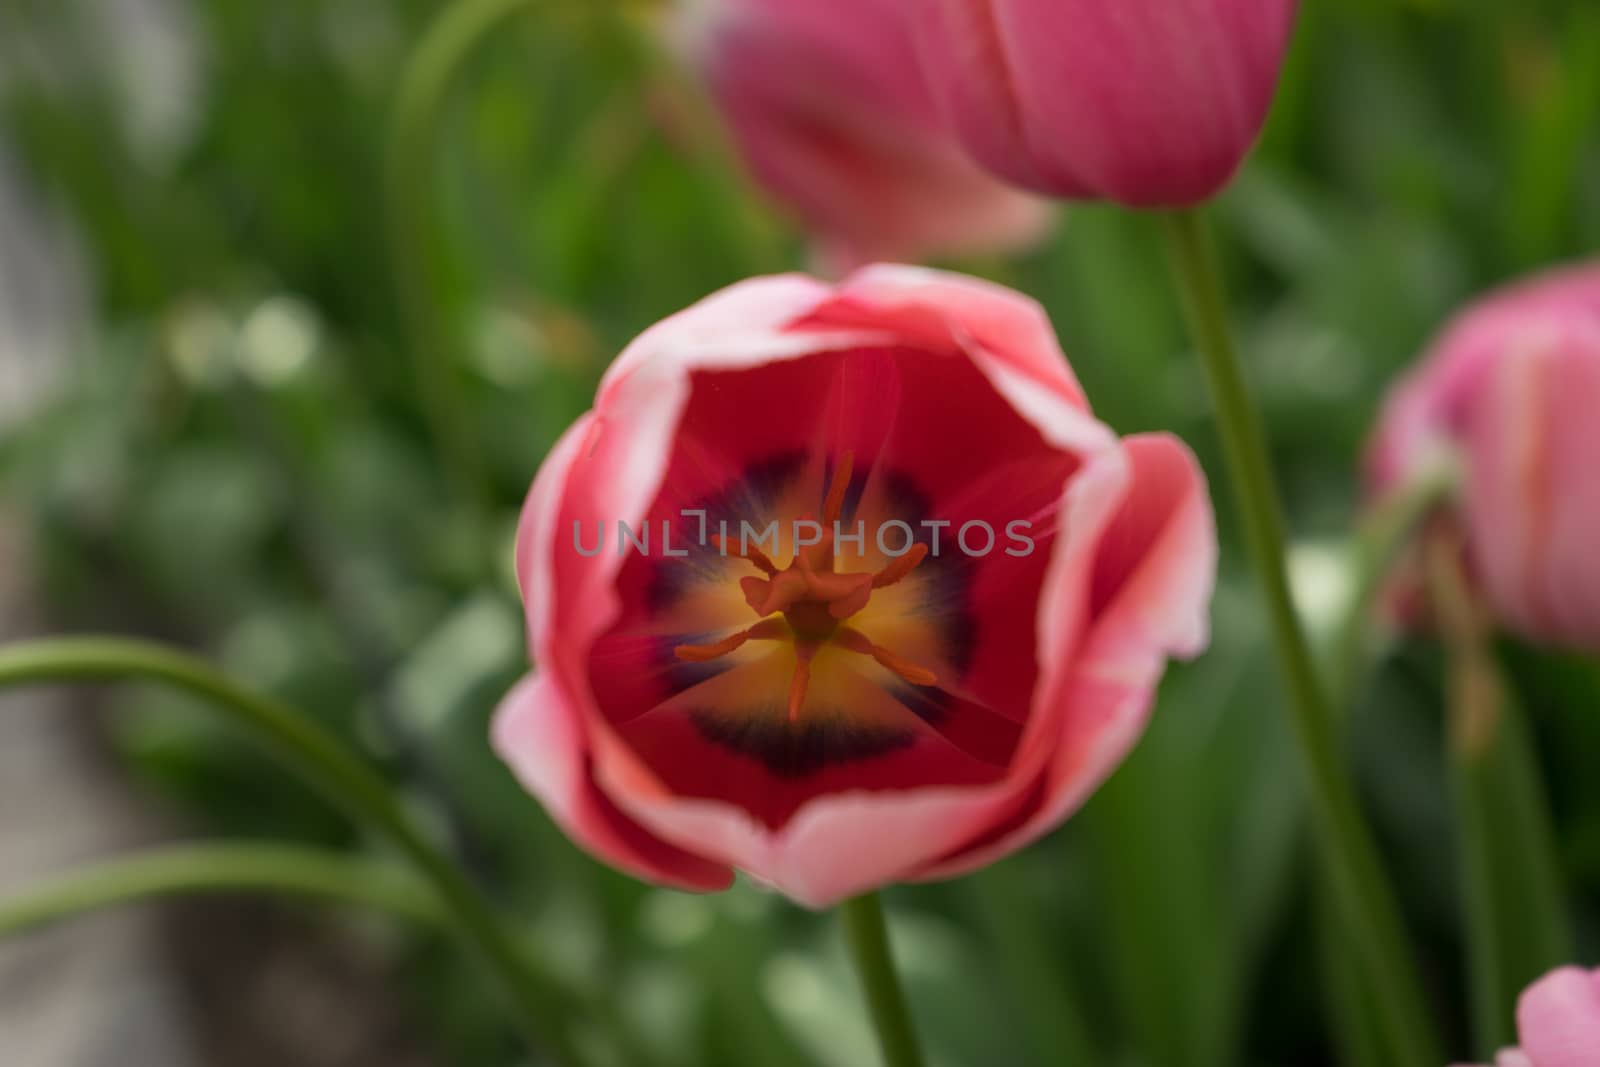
(843, 586)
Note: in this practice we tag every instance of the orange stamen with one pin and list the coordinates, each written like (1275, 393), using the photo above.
(900, 567)
(833, 503)
(728, 546)
(765, 630)
(860, 643)
(705, 653)
(904, 668)
(798, 684)
(803, 651)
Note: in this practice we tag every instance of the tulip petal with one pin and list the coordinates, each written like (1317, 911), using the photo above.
(1533, 502)
(540, 737)
(829, 110)
(1558, 1019)
(1152, 587)
(1146, 102)
(943, 311)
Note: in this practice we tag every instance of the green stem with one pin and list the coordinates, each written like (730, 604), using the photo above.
(229, 868)
(330, 767)
(1517, 926)
(1386, 531)
(868, 936)
(415, 253)
(1362, 897)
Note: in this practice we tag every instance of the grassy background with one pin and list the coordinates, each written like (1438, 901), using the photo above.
(235, 459)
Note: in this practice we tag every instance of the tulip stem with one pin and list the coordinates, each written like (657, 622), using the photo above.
(868, 936)
(1516, 919)
(340, 775)
(1384, 534)
(183, 870)
(1362, 897)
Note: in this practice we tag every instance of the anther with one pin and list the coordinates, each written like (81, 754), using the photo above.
(900, 567)
(904, 668)
(833, 503)
(743, 550)
(803, 652)
(860, 643)
(765, 630)
(705, 653)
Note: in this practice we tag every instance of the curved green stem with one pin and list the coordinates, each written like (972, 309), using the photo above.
(327, 765)
(414, 251)
(1386, 531)
(184, 870)
(868, 936)
(1362, 897)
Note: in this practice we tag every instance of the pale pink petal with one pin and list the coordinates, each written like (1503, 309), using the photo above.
(1533, 503)
(540, 736)
(1558, 1019)
(941, 309)
(1154, 578)
(1430, 402)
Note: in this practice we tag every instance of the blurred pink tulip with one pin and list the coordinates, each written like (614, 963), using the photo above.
(862, 710)
(1558, 1022)
(827, 107)
(1145, 102)
(1511, 389)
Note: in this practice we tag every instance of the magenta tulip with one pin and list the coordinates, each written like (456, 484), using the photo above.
(1149, 103)
(830, 114)
(1558, 1022)
(844, 586)
(1511, 390)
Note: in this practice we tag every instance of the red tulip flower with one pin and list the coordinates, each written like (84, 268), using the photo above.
(1510, 391)
(827, 107)
(1144, 102)
(952, 637)
(1558, 1022)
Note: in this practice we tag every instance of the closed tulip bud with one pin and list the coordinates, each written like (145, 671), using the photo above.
(843, 586)
(827, 107)
(1511, 390)
(1558, 1022)
(1149, 103)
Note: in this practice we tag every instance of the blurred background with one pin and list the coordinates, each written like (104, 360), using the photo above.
(212, 297)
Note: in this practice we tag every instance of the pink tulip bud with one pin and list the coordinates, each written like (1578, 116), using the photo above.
(828, 109)
(1145, 102)
(1558, 1022)
(843, 586)
(1511, 390)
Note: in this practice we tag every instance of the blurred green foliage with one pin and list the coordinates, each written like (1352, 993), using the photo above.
(236, 460)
